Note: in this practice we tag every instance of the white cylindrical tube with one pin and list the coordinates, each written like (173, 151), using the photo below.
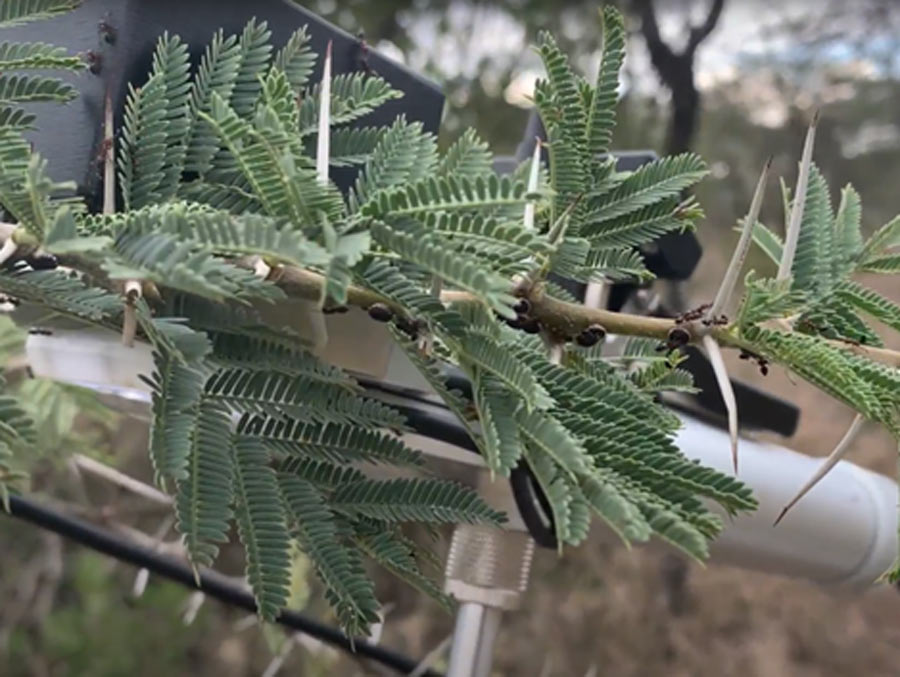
(473, 640)
(842, 533)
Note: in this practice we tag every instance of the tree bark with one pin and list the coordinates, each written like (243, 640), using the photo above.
(685, 114)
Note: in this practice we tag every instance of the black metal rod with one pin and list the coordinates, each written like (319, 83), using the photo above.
(211, 582)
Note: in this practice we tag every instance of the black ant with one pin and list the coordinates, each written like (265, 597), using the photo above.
(717, 321)
(107, 32)
(761, 362)
(693, 315)
(362, 58)
(94, 61)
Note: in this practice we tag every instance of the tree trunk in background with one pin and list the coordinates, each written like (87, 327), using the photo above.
(685, 114)
(676, 70)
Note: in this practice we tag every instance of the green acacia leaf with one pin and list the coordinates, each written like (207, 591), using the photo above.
(204, 497)
(659, 180)
(496, 407)
(546, 433)
(18, 12)
(19, 55)
(349, 590)
(34, 88)
(870, 302)
(262, 527)
(405, 500)
(602, 115)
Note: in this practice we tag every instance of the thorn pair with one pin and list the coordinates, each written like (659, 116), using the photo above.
(723, 295)
(729, 281)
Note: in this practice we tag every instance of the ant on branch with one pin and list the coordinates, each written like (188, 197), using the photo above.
(362, 57)
(718, 321)
(698, 313)
(806, 325)
(693, 315)
(107, 31)
(94, 61)
(103, 151)
(761, 361)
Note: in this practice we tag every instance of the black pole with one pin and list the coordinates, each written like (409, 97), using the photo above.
(211, 582)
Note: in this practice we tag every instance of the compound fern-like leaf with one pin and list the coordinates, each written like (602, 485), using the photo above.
(204, 497)
(262, 527)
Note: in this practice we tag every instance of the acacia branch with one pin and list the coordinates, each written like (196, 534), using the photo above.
(561, 318)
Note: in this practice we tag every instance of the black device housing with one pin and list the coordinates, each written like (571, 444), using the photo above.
(120, 36)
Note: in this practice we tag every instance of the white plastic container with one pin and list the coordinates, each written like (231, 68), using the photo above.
(842, 533)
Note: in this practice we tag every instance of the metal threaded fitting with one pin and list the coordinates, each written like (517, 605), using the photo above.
(488, 565)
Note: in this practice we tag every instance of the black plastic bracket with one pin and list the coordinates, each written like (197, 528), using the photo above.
(119, 36)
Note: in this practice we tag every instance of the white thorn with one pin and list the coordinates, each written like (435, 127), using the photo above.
(245, 623)
(143, 576)
(718, 365)
(377, 629)
(109, 158)
(555, 349)
(192, 607)
(793, 230)
(323, 149)
(431, 657)
(533, 176)
(129, 325)
(89, 465)
(261, 269)
(729, 280)
(9, 248)
(133, 289)
(129, 319)
(140, 583)
(833, 458)
(275, 665)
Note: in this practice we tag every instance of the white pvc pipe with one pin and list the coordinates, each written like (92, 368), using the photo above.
(842, 533)
(473, 640)
(90, 357)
